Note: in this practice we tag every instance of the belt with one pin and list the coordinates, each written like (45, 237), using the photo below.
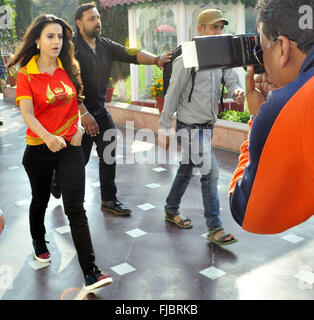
(206, 125)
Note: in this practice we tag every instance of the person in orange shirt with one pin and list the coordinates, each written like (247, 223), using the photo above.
(272, 186)
(49, 93)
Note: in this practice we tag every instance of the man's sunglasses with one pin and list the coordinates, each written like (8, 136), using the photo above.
(258, 50)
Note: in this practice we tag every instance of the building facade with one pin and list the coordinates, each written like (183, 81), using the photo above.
(157, 26)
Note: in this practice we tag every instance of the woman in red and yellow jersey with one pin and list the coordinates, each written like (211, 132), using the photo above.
(49, 93)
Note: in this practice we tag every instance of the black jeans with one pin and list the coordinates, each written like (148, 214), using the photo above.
(68, 163)
(107, 169)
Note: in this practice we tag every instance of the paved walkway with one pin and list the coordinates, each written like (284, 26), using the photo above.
(147, 257)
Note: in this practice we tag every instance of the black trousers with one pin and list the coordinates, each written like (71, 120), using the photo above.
(68, 163)
(106, 150)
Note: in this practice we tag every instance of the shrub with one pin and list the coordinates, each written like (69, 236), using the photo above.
(235, 116)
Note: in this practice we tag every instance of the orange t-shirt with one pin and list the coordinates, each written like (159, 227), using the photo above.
(54, 99)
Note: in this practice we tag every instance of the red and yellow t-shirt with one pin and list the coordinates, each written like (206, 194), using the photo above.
(54, 100)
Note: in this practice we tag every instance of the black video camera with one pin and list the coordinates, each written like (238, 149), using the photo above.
(224, 51)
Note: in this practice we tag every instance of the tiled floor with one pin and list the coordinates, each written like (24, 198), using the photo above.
(147, 257)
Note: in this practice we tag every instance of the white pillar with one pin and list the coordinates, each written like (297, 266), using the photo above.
(240, 19)
(240, 29)
(181, 20)
(133, 44)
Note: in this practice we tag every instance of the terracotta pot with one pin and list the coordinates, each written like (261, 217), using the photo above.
(12, 81)
(160, 103)
(109, 93)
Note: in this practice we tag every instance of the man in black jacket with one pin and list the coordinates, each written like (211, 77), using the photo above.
(95, 55)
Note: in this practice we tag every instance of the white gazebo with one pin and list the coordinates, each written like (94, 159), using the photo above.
(157, 26)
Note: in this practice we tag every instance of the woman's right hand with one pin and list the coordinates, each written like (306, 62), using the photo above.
(54, 143)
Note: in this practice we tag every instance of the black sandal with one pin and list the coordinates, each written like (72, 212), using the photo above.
(222, 240)
(169, 216)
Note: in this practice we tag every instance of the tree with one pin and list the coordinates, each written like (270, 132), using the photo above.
(7, 34)
(23, 19)
(115, 27)
(60, 8)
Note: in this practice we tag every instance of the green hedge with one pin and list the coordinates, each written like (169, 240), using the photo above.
(235, 116)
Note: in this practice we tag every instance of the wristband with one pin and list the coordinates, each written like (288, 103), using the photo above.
(84, 114)
(156, 60)
(79, 126)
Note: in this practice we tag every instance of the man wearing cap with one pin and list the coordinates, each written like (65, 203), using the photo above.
(195, 119)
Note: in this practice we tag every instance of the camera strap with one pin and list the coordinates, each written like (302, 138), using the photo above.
(193, 74)
(222, 93)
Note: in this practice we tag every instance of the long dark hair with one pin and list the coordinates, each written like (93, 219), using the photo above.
(28, 48)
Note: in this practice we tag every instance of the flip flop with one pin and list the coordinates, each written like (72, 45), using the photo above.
(222, 240)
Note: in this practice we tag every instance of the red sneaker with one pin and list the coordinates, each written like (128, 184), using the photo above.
(40, 251)
(96, 280)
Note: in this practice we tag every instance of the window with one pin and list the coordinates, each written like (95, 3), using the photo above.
(156, 33)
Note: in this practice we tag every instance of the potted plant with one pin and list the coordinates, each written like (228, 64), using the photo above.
(109, 90)
(11, 76)
(12, 81)
(157, 92)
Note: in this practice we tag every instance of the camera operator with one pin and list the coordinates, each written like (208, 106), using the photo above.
(272, 187)
(199, 114)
